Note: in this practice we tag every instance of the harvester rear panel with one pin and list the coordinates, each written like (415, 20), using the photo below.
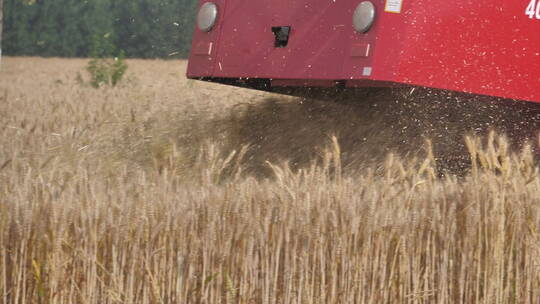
(482, 47)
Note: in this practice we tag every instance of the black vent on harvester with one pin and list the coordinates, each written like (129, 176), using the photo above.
(282, 35)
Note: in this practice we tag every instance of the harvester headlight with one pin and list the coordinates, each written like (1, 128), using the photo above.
(364, 16)
(206, 19)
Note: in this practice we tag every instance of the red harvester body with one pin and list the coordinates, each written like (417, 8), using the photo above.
(487, 47)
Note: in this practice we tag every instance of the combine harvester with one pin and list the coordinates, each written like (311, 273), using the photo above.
(480, 47)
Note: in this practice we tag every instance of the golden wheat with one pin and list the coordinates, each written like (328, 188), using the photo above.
(169, 191)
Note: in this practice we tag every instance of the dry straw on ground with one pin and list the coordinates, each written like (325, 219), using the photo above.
(171, 191)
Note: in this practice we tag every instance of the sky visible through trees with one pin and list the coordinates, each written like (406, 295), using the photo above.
(71, 28)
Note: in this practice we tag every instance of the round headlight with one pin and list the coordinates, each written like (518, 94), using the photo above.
(364, 16)
(206, 19)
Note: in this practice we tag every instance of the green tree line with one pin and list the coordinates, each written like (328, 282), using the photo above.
(68, 28)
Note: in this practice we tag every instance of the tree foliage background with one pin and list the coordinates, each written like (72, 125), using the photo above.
(67, 28)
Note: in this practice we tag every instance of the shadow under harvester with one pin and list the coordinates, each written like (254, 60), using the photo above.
(374, 123)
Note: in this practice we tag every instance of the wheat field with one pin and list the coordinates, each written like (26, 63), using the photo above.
(166, 190)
